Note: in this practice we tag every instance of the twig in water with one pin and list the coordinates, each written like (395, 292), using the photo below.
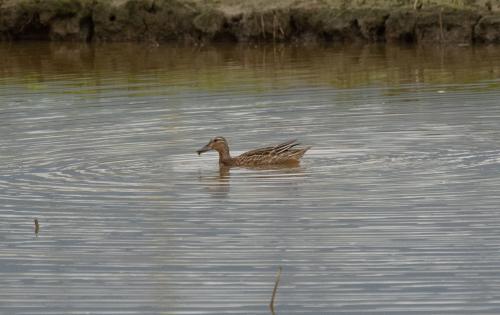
(274, 26)
(271, 305)
(441, 25)
(37, 227)
(262, 26)
(415, 5)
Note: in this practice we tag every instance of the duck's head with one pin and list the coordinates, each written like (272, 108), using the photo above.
(218, 144)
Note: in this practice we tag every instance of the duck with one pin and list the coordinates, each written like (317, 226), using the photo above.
(286, 153)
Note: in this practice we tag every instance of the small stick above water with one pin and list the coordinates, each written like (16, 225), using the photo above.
(271, 304)
(441, 33)
(37, 227)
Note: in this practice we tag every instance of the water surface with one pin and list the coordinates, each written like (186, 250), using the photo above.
(394, 210)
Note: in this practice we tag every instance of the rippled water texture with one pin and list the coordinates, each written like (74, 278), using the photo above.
(395, 209)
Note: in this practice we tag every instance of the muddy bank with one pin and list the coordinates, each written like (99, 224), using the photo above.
(219, 21)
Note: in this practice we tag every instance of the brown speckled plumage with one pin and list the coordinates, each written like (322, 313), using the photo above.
(284, 153)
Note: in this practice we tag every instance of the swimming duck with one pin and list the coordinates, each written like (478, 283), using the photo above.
(284, 153)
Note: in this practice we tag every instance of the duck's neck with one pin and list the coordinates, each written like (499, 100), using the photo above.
(225, 157)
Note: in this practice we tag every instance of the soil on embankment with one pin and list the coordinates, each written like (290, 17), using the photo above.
(410, 21)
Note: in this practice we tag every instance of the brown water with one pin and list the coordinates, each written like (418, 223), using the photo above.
(394, 210)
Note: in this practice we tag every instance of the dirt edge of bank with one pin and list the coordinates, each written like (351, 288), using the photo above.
(158, 21)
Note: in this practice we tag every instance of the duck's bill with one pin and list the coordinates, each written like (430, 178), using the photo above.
(204, 149)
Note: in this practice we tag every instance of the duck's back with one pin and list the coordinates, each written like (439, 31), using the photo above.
(284, 153)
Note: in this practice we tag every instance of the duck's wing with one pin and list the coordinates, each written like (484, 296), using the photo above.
(271, 151)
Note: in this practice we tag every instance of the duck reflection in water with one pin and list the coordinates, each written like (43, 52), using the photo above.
(217, 184)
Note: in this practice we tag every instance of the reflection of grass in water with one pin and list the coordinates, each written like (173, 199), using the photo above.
(32, 82)
(150, 93)
(494, 86)
(81, 92)
(35, 86)
(443, 88)
(260, 69)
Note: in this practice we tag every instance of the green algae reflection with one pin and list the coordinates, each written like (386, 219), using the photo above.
(170, 69)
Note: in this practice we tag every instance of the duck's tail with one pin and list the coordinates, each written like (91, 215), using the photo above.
(298, 153)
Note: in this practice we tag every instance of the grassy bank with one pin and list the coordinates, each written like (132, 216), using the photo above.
(304, 21)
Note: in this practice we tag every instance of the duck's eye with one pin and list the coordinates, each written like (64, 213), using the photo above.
(215, 140)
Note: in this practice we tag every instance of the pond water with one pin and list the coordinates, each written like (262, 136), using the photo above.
(394, 210)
